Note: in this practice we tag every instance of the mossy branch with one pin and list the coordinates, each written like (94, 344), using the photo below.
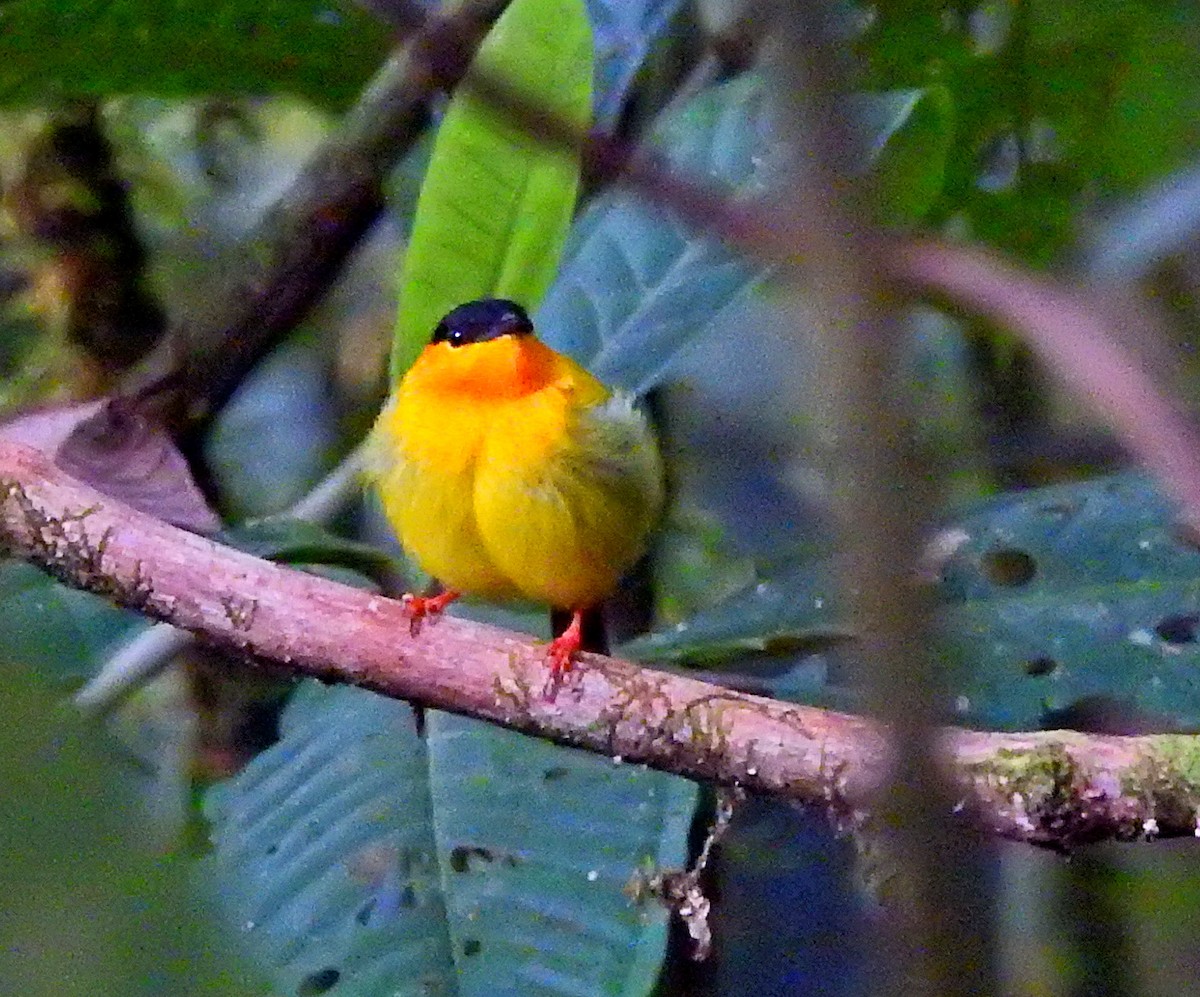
(1055, 789)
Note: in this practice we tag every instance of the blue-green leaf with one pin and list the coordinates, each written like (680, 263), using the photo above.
(624, 31)
(537, 843)
(638, 284)
(324, 856)
(795, 610)
(478, 862)
(1051, 598)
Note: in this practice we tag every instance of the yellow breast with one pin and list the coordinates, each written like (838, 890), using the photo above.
(501, 477)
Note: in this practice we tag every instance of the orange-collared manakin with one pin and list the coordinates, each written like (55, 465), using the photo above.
(507, 470)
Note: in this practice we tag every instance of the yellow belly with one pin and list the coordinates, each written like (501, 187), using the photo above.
(522, 497)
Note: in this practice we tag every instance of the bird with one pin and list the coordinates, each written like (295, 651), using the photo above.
(508, 471)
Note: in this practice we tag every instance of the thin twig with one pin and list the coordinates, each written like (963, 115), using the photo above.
(141, 659)
(1055, 788)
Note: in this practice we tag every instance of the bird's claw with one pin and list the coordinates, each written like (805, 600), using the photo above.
(420, 608)
(560, 657)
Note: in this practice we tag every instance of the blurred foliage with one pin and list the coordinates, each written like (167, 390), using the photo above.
(323, 51)
(365, 852)
(91, 909)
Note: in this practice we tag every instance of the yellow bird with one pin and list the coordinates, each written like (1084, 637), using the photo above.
(507, 471)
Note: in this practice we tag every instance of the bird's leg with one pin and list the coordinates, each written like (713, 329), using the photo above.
(561, 652)
(422, 607)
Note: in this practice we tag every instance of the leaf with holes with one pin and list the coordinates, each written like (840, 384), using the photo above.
(1068, 594)
(1053, 599)
(496, 202)
(357, 854)
(537, 844)
(324, 855)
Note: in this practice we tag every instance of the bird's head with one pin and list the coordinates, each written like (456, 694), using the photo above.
(484, 348)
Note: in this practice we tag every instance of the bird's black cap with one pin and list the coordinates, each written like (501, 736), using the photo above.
(479, 321)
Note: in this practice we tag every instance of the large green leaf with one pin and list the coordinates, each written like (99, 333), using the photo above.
(1053, 599)
(477, 862)
(324, 856)
(496, 203)
(639, 285)
(320, 49)
(536, 845)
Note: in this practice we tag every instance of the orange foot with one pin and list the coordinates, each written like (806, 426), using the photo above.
(422, 607)
(560, 654)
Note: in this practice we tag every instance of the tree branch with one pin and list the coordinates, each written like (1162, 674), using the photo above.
(306, 237)
(1054, 788)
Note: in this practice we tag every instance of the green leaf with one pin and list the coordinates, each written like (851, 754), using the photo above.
(1060, 595)
(60, 631)
(1155, 121)
(792, 611)
(478, 862)
(295, 541)
(909, 134)
(496, 203)
(324, 857)
(52, 49)
(536, 844)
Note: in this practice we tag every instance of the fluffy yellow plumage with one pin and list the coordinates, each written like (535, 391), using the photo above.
(508, 470)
